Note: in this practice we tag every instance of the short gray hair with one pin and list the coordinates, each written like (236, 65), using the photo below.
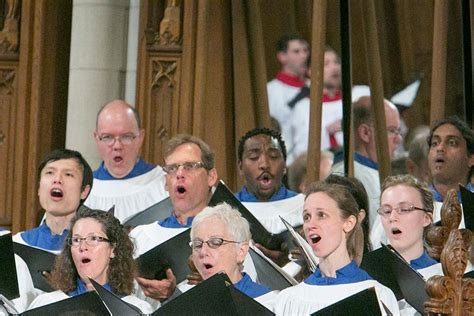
(237, 226)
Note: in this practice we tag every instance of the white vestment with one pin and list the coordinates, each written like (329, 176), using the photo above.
(57, 296)
(305, 299)
(129, 196)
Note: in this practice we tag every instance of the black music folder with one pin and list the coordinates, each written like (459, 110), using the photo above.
(38, 261)
(173, 253)
(467, 207)
(259, 233)
(115, 305)
(156, 212)
(378, 266)
(9, 284)
(85, 304)
(388, 267)
(362, 303)
(269, 274)
(214, 296)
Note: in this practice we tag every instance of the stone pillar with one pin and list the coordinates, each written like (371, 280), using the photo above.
(96, 69)
(132, 52)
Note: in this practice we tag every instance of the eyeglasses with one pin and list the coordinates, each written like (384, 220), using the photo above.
(394, 131)
(212, 243)
(92, 241)
(125, 139)
(385, 211)
(188, 166)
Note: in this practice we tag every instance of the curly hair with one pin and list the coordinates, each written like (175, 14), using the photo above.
(261, 131)
(122, 267)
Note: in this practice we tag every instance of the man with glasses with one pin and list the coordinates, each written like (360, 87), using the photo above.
(365, 155)
(123, 179)
(190, 176)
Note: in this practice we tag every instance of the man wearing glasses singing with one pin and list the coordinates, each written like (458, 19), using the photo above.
(365, 156)
(190, 175)
(123, 179)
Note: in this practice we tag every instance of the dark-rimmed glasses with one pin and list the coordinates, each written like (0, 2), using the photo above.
(92, 241)
(125, 139)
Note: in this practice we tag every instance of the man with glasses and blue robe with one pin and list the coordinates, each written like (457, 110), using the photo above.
(365, 156)
(123, 179)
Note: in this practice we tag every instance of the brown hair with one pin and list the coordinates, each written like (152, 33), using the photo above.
(122, 268)
(207, 155)
(411, 181)
(348, 207)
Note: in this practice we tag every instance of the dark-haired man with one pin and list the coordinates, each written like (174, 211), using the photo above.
(450, 158)
(262, 156)
(293, 55)
(65, 181)
(123, 179)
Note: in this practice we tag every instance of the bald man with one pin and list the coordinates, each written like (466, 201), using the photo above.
(365, 156)
(123, 179)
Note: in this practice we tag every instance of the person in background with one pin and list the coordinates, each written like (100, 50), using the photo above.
(293, 55)
(123, 179)
(297, 170)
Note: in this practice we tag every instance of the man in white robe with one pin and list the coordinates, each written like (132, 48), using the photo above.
(123, 179)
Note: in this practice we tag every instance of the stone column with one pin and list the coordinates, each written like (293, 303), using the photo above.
(132, 52)
(97, 68)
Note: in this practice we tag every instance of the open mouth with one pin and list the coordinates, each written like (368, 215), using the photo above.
(57, 193)
(396, 231)
(118, 159)
(208, 266)
(85, 260)
(315, 238)
(181, 189)
(265, 179)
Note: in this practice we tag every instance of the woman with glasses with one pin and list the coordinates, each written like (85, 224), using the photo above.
(99, 248)
(406, 211)
(220, 241)
(332, 227)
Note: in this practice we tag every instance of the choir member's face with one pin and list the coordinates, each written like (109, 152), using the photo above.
(91, 261)
(225, 258)
(332, 70)
(404, 231)
(324, 227)
(295, 59)
(189, 189)
(392, 119)
(119, 123)
(262, 166)
(448, 157)
(60, 187)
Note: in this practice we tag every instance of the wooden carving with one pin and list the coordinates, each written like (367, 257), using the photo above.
(450, 218)
(451, 294)
(9, 35)
(163, 71)
(169, 33)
